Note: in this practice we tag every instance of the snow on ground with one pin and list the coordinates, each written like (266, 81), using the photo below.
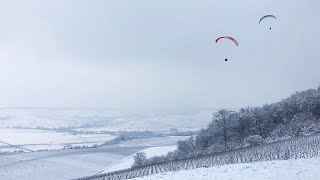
(157, 141)
(298, 169)
(8, 149)
(42, 139)
(62, 164)
(161, 146)
(75, 163)
(128, 161)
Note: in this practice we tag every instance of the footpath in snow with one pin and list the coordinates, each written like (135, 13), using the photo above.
(297, 169)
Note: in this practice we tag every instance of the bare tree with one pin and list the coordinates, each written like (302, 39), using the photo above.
(139, 159)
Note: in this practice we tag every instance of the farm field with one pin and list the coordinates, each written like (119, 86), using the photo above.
(74, 163)
(33, 140)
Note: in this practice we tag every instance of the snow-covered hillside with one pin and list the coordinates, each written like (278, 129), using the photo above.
(128, 161)
(63, 164)
(298, 169)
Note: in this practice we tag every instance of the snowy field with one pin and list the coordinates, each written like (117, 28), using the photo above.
(157, 141)
(63, 164)
(298, 169)
(75, 163)
(128, 161)
(33, 140)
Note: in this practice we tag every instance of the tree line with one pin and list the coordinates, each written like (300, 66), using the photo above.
(293, 148)
(297, 115)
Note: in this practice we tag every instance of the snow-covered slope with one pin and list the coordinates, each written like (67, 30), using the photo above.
(128, 161)
(297, 169)
(62, 164)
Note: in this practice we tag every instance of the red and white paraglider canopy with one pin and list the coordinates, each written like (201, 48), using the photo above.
(228, 37)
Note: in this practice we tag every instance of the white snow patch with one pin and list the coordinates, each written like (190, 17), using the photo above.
(297, 169)
(128, 161)
(157, 141)
(43, 139)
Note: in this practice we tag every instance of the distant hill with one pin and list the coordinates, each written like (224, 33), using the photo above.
(91, 119)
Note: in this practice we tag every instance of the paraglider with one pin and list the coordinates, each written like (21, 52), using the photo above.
(235, 41)
(229, 38)
(267, 16)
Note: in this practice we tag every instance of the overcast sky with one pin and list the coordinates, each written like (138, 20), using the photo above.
(156, 53)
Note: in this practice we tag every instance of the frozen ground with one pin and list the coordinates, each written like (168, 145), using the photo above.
(33, 140)
(158, 141)
(300, 169)
(74, 163)
(128, 161)
(63, 164)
